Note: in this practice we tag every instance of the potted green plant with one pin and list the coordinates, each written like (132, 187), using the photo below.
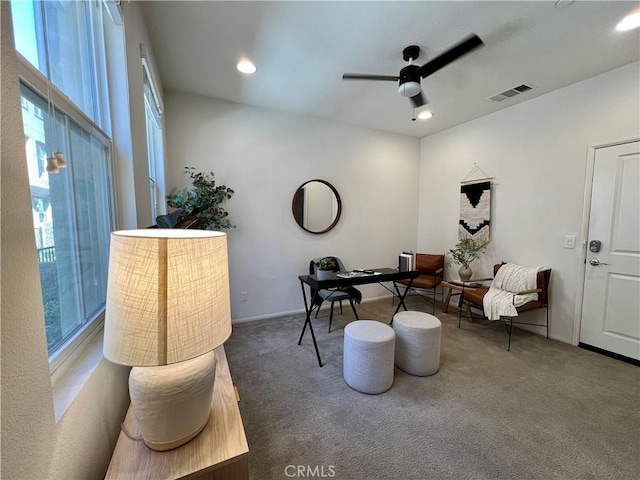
(325, 266)
(466, 251)
(204, 200)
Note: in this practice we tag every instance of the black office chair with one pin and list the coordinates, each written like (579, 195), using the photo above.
(334, 295)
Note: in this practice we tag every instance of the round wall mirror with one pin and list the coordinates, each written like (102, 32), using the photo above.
(316, 206)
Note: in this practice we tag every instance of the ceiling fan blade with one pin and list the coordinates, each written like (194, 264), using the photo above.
(418, 100)
(467, 45)
(364, 76)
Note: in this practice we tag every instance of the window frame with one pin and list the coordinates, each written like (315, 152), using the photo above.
(154, 109)
(35, 80)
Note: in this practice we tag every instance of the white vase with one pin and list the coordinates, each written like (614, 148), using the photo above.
(172, 403)
(465, 273)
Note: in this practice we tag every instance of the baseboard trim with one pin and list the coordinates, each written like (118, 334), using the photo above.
(236, 321)
(607, 353)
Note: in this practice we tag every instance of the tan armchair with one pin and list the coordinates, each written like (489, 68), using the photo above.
(431, 268)
(474, 297)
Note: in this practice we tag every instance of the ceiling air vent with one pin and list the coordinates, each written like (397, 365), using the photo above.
(512, 92)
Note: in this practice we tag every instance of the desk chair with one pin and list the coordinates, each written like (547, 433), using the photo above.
(474, 298)
(333, 295)
(431, 268)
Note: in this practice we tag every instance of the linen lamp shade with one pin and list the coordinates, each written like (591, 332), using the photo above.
(167, 296)
(167, 309)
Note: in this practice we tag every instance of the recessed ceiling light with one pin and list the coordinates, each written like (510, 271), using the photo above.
(425, 114)
(245, 66)
(629, 22)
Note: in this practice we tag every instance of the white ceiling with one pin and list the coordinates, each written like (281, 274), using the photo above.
(302, 49)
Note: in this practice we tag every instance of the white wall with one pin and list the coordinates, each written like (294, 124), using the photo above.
(265, 156)
(537, 153)
(34, 446)
(138, 164)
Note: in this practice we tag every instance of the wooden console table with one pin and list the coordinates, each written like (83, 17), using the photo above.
(219, 452)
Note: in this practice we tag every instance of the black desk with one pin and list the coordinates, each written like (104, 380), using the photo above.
(315, 285)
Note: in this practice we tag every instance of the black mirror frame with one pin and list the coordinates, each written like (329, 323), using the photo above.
(338, 200)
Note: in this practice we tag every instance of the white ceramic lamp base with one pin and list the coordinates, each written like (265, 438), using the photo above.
(172, 403)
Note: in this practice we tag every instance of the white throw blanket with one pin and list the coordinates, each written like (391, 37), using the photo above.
(502, 299)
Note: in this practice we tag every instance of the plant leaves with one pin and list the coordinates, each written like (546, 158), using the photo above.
(205, 197)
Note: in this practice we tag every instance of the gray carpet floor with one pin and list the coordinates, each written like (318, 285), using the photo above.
(545, 410)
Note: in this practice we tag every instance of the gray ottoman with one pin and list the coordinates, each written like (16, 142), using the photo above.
(368, 356)
(417, 343)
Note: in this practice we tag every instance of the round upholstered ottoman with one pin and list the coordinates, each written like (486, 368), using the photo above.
(368, 356)
(417, 342)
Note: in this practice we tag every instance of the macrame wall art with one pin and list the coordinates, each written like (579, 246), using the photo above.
(475, 206)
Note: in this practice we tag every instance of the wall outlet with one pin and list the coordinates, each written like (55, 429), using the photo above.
(244, 296)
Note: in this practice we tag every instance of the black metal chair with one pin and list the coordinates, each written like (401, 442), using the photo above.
(333, 295)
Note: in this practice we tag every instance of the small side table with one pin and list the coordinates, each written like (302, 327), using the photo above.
(458, 286)
(219, 452)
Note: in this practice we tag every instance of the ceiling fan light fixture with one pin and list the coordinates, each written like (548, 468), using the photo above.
(245, 66)
(629, 22)
(425, 115)
(411, 75)
(409, 89)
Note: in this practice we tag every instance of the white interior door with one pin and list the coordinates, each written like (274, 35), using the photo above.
(611, 301)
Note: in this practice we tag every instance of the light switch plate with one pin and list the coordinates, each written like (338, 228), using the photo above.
(569, 241)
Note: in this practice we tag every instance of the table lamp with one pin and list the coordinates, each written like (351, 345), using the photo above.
(167, 309)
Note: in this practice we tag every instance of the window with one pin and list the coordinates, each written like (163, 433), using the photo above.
(155, 147)
(72, 222)
(64, 41)
(39, 210)
(72, 210)
(41, 152)
(25, 103)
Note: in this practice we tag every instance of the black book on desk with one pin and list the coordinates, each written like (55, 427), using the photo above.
(405, 262)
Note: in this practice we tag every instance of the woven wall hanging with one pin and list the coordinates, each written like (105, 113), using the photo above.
(475, 207)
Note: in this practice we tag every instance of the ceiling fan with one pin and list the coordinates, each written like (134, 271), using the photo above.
(409, 78)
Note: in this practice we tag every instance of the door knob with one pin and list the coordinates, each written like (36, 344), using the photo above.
(595, 262)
